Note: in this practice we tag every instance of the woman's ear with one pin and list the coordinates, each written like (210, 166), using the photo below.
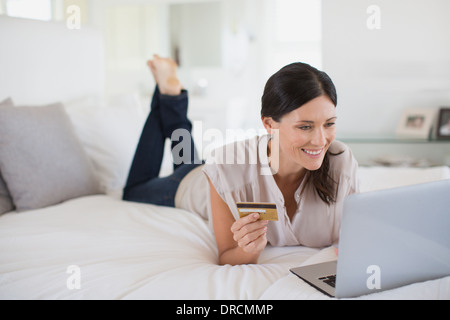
(269, 124)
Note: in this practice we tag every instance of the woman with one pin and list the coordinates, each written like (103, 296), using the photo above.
(312, 173)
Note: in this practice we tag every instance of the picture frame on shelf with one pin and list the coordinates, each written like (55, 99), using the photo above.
(443, 125)
(416, 123)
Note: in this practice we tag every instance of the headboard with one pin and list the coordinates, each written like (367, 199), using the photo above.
(44, 62)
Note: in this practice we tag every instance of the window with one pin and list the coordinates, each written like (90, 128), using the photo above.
(32, 9)
(298, 21)
(296, 33)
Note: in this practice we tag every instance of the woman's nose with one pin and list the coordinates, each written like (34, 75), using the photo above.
(319, 138)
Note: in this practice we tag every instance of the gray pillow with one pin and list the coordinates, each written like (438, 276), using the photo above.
(6, 203)
(41, 159)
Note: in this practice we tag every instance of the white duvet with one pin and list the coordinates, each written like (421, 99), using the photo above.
(124, 250)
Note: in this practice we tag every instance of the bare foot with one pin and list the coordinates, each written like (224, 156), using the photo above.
(165, 73)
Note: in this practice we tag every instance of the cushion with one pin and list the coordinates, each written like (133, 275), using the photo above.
(41, 159)
(109, 136)
(6, 203)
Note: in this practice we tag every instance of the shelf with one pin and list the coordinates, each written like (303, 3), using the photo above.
(387, 139)
(378, 150)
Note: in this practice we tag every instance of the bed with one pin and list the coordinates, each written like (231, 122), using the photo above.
(79, 244)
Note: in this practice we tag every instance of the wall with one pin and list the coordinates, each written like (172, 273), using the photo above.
(196, 33)
(133, 33)
(380, 72)
(225, 88)
(48, 63)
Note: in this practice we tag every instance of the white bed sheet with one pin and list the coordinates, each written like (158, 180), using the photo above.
(128, 250)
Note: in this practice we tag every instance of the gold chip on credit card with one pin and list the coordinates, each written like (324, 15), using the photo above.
(267, 211)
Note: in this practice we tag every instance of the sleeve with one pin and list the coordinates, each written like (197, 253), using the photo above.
(211, 170)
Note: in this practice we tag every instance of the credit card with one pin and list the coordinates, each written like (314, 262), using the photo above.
(267, 211)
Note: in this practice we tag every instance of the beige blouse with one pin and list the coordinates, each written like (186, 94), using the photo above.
(240, 173)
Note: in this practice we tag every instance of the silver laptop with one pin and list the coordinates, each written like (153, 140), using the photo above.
(388, 238)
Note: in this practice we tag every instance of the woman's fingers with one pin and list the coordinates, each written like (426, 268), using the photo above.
(250, 233)
(246, 225)
(251, 238)
(244, 221)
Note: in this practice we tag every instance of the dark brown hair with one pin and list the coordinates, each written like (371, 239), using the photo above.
(290, 88)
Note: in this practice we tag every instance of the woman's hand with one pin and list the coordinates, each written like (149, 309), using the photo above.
(250, 233)
(238, 242)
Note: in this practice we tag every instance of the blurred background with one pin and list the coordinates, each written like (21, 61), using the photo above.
(384, 56)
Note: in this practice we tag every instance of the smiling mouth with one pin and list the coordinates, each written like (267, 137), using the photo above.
(312, 152)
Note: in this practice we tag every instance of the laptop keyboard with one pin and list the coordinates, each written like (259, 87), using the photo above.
(330, 280)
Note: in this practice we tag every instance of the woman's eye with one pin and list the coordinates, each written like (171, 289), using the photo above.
(330, 124)
(304, 127)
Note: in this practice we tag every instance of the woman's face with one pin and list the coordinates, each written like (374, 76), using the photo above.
(305, 134)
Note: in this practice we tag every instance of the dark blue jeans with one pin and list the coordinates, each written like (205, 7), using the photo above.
(168, 113)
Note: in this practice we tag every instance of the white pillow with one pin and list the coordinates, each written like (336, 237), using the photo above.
(109, 136)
